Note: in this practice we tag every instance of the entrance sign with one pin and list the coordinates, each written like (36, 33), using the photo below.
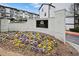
(42, 23)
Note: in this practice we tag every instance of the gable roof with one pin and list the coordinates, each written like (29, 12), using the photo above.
(46, 4)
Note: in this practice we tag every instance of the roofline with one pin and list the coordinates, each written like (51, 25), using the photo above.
(19, 9)
(33, 13)
(30, 12)
(8, 7)
(46, 4)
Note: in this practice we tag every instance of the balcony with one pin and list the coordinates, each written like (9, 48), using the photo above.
(2, 11)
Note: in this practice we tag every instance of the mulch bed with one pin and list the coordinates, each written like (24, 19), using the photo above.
(7, 38)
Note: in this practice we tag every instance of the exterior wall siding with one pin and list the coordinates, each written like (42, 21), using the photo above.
(52, 13)
(44, 10)
(69, 23)
(49, 10)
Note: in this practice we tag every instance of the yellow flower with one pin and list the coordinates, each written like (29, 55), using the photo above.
(17, 44)
(22, 45)
(37, 34)
(38, 38)
(49, 48)
(39, 45)
(19, 41)
(44, 46)
(15, 40)
(49, 43)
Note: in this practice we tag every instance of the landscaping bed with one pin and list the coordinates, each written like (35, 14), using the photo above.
(34, 44)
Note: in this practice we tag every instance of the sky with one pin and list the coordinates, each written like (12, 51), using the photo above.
(31, 7)
(60, 6)
(34, 7)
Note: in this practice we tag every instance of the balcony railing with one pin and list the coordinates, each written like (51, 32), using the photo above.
(2, 11)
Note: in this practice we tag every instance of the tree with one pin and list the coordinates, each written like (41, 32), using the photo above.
(71, 8)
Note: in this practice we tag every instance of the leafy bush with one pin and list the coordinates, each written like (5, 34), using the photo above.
(75, 30)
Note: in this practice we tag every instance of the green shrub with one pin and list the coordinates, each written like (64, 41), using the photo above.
(75, 30)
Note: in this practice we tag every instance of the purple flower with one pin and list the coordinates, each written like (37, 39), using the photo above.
(35, 44)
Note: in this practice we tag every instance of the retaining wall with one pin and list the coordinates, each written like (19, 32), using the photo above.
(56, 25)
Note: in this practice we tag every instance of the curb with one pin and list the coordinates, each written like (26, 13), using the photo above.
(72, 33)
(74, 45)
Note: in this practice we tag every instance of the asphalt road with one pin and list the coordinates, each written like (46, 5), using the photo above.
(72, 38)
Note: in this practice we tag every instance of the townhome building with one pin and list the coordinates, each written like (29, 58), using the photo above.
(30, 15)
(16, 14)
(26, 15)
(69, 20)
(76, 15)
(7, 12)
(2, 11)
(20, 14)
(12, 13)
(35, 15)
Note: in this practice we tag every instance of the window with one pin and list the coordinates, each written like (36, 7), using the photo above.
(76, 21)
(42, 10)
(45, 14)
(7, 10)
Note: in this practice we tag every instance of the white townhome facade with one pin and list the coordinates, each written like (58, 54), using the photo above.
(26, 15)
(7, 11)
(46, 10)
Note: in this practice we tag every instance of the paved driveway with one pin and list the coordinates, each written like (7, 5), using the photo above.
(72, 38)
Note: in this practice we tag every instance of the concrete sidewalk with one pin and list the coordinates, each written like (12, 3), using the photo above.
(74, 45)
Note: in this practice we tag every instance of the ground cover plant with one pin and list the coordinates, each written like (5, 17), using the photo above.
(34, 43)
